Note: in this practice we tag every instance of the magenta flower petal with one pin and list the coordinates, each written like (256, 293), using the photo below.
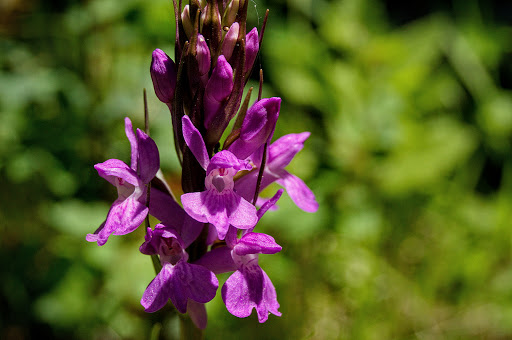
(203, 283)
(244, 216)
(218, 260)
(166, 209)
(220, 209)
(195, 142)
(133, 142)
(124, 217)
(248, 288)
(158, 291)
(282, 151)
(226, 160)
(193, 203)
(299, 192)
(149, 160)
(256, 243)
(117, 172)
(235, 294)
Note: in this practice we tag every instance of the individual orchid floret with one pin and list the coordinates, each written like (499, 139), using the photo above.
(249, 286)
(217, 89)
(257, 128)
(228, 45)
(280, 154)
(178, 280)
(203, 58)
(163, 73)
(129, 209)
(252, 46)
(219, 204)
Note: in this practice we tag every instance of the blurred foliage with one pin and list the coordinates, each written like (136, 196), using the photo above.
(410, 109)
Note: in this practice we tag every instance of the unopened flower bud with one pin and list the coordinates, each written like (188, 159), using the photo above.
(252, 46)
(258, 127)
(217, 89)
(187, 22)
(203, 56)
(230, 40)
(163, 73)
(231, 12)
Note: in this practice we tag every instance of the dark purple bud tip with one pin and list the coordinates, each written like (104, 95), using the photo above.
(163, 73)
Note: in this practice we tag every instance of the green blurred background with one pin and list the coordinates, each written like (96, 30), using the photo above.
(410, 109)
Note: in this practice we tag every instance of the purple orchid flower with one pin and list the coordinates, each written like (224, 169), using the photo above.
(129, 210)
(219, 204)
(249, 286)
(280, 153)
(178, 280)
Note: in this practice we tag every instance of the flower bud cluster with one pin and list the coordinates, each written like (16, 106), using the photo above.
(212, 230)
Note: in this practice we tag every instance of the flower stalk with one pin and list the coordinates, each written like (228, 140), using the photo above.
(209, 230)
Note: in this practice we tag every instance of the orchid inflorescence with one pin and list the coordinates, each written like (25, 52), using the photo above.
(212, 231)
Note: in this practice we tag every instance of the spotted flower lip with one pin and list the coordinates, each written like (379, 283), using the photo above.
(129, 210)
(219, 204)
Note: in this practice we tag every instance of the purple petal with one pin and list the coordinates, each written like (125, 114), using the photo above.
(226, 160)
(149, 160)
(150, 245)
(258, 127)
(220, 209)
(270, 300)
(194, 282)
(190, 230)
(282, 151)
(298, 191)
(218, 260)
(195, 142)
(245, 215)
(245, 186)
(235, 294)
(113, 169)
(163, 74)
(252, 46)
(133, 142)
(193, 203)
(166, 209)
(250, 288)
(158, 291)
(256, 243)
(197, 312)
(124, 217)
(269, 203)
(203, 283)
